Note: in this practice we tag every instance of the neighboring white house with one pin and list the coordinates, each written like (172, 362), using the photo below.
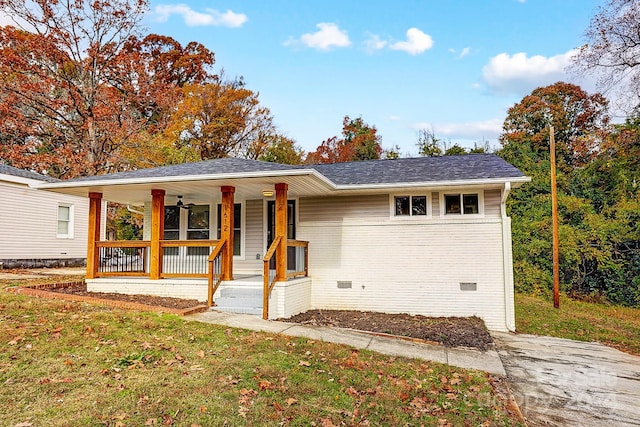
(420, 235)
(39, 228)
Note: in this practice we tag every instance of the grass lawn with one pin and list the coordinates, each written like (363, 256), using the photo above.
(613, 325)
(64, 363)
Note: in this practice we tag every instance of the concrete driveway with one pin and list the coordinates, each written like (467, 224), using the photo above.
(562, 382)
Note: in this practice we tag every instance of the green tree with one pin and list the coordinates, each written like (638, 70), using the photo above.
(428, 144)
(392, 153)
(283, 150)
(455, 150)
(592, 228)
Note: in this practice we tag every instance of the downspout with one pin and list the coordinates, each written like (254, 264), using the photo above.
(505, 196)
(507, 261)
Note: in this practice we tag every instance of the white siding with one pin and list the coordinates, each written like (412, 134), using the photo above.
(29, 221)
(492, 200)
(253, 239)
(409, 266)
(146, 222)
(435, 204)
(344, 208)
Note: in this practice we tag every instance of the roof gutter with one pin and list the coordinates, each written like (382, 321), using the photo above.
(186, 178)
(435, 184)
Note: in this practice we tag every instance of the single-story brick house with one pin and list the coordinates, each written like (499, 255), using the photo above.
(425, 235)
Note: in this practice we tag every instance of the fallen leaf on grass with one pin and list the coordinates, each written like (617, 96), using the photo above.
(242, 411)
(326, 422)
(16, 340)
(266, 385)
(291, 401)
(304, 363)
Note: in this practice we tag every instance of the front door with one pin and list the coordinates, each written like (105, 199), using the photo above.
(291, 230)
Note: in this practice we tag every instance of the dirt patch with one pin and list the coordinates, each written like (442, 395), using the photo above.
(449, 331)
(168, 302)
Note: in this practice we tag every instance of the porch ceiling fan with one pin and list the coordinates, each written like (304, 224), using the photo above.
(182, 205)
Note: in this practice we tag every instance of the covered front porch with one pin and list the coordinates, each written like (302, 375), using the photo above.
(254, 256)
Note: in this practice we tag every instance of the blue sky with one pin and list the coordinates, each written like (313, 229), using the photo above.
(452, 66)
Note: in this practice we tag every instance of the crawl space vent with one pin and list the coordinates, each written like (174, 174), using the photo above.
(344, 284)
(468, 286)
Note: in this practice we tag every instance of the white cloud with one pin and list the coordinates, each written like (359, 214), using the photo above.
(327, 37)
(192, 18)
(417, 42)
(464, 52)
(374, 42)
(473, 131)
(519, 74)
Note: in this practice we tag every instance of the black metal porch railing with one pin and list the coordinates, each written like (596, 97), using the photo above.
(123, 258)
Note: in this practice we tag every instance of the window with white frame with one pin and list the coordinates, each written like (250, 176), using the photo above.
(463, 203)
(410, 205)
(196, 222)
(65, 222)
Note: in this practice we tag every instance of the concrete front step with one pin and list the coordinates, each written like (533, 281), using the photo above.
(240, 300)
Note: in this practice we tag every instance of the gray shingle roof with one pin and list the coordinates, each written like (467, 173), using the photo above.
(419, 169)
(408, 170)
(21, 173)
(227, 165)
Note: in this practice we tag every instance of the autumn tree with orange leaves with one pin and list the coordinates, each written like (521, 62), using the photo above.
(359, 142)
(81, 93)
(219, 119)
(580, 121)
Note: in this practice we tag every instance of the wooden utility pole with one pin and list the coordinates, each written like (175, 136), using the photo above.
(554, 215)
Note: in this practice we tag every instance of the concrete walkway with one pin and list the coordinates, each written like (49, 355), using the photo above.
(562, 382)
(488, 361)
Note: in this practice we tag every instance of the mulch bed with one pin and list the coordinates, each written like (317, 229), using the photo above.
(168, 302)
(449, 331)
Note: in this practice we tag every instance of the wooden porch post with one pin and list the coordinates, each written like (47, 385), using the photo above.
(226, 231)
(157, 233)
(281, 231)
(93, 256)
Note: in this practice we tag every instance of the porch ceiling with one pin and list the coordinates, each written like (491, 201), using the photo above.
(200, 190)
